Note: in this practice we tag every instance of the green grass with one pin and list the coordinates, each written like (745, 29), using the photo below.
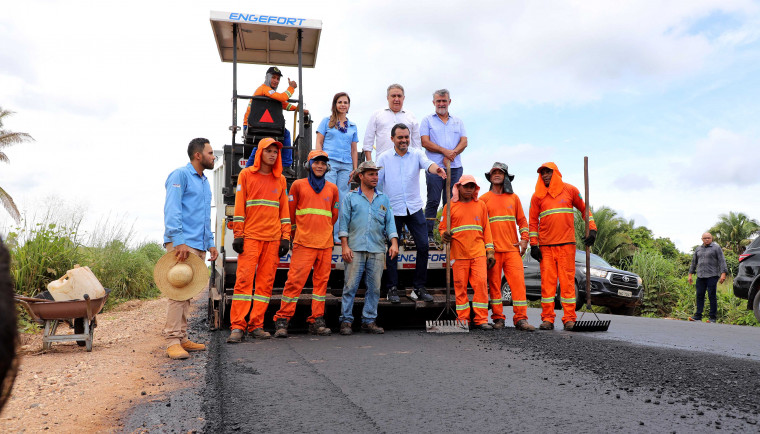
(43, 250)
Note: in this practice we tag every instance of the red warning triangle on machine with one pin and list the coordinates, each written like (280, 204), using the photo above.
(266, 117)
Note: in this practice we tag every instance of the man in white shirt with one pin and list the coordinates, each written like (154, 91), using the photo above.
(399, 179)
(378, 132)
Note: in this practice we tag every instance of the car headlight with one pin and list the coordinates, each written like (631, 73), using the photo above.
(638, 279)
(598, 273)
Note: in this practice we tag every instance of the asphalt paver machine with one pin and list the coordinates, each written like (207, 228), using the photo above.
(287, 41)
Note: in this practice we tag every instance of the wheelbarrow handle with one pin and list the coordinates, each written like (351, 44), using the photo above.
(28, 308)
(32, 299)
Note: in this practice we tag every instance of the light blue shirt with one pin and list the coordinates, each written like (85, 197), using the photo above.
(187, 210)
(444, 135)
(400, 179)
(367, 225)
(337, 144)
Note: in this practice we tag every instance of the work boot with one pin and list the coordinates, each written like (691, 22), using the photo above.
(712, 321)
(498, 324)
(345, 329)
(393, 295)
(235, 337)
(281, 328)
(524, 326)
(189, 345)
(318, 327)
(546, 325)
(372, 328)
(176, 352)
(259, 333)
(569, 325)
(695, 318)
(422, 294)
(484, 326)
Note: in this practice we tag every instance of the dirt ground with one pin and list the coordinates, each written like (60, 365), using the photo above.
(67, 389)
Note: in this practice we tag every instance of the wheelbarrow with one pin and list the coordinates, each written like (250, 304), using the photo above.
(80, 314)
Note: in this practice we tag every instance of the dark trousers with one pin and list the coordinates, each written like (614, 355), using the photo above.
(416, 224)
(709, 284)
(436, 195)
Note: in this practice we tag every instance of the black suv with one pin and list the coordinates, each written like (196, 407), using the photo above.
(620, 291)
(747, 280)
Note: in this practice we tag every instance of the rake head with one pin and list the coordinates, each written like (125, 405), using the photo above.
(447, 326)
(591, 326)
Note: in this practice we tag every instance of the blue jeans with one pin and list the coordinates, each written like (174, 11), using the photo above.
(338, 175)
(436, 195)
(416, 224)
(287, 154)
(709, 284)
(372, 264)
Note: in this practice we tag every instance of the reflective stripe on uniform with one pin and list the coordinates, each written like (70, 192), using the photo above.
(261, 298)
(501, 218)
(519, 303)
(466, 228)
(238, 218)
(290, 107)
(463, 306)
(285, 221)
(547, 300)
(556, 211)
(262, 202)
(533, 234)
(523, 230)
(289, 299)
(480, 305)
(316, 297)
(241, 297)
(489, 246)
(494, 301)
(316, 211)
(287, 92)
(567, 300)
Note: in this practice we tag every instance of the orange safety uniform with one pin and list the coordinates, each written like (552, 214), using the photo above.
(552, 229)
(471, 236)
(262, 218)
(314, 215)
(283, 97)
(506, 217)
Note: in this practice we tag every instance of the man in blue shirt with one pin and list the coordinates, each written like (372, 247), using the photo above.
(187, 230)
(400, 180)
(444, 138)
(366, 222)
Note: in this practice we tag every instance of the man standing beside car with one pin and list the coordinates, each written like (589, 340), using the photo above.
(552, 241)
(708, 262)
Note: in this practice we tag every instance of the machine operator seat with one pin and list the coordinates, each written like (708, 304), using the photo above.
(265, 119)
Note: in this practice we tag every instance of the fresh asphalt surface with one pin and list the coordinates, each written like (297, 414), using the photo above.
(643, 375)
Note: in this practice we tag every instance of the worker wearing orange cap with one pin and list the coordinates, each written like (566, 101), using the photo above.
(471, 250)
(261, 225)
(313, 204)
(552, 240)
(506, 217)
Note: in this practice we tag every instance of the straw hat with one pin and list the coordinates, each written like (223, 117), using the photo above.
(180, 280)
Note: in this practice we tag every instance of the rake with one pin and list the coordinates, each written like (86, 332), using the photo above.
(454, 325)
(580, 325)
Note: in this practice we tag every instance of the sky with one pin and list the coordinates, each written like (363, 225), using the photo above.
(663, 97)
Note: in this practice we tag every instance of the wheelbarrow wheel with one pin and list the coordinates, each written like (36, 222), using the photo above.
(79, 329)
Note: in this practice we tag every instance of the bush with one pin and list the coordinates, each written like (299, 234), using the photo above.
(732, 261)
(127, 272)
(657, 274)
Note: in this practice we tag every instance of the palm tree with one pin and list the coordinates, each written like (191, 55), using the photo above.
(733, 230)
(612, 240)
(8, 138)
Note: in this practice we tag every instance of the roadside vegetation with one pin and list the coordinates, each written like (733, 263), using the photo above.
(664, 269)
(44, 248)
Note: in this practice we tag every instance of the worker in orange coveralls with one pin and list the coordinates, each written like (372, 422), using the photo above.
(552, 240)
(261, 225)
(313, 204)
(471, 250)
(506, 216)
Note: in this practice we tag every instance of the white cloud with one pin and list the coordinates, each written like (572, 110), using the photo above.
(633, 181)
(724, 157)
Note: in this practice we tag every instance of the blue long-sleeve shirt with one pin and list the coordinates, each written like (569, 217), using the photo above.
(367, 225)
(187, 210)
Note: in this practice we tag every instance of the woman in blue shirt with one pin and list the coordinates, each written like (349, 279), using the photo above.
(338, 137)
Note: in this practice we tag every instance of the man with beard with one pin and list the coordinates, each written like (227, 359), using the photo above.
(261, 226)
(187, 221)
(313, 204)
